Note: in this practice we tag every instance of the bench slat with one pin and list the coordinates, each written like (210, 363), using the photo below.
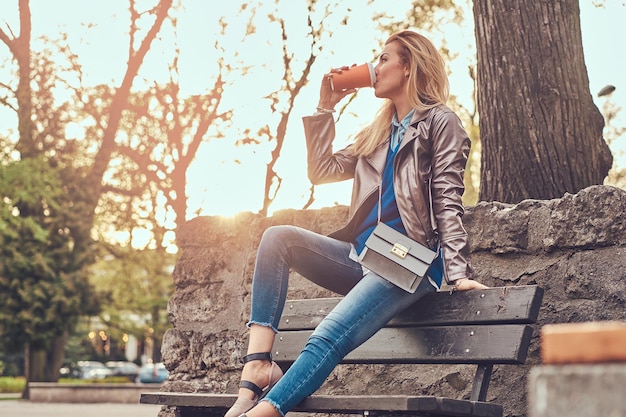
(192, 404)
(506, 344)
(360, 403)
(397, 403)
(515, 304)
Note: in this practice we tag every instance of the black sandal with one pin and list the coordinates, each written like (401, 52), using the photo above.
(243, 405)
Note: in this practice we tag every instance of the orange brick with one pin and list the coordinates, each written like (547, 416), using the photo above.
(591, 342)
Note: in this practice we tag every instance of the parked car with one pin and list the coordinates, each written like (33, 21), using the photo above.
(122, 368)
(92, 370)
(153, 373)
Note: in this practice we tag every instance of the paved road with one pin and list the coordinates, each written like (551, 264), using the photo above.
(25, 408)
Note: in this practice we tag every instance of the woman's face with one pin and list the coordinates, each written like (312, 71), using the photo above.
(391, 73)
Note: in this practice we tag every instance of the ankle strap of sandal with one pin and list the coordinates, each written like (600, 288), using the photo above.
(262, 356)
(258, 391)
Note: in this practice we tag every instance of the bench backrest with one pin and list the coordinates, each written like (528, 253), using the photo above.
(471, 327)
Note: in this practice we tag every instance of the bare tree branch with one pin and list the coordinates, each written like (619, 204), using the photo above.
(293, 86)
(121, 95)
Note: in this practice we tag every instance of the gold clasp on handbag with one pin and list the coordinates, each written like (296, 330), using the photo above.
(399, 250)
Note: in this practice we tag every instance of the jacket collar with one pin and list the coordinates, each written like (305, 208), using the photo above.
(378, 158)
(418, 116)
(411, 132)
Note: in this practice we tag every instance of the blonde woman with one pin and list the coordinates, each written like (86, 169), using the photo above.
(413, 150)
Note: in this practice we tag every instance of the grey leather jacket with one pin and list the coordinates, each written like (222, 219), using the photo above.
(431, 159)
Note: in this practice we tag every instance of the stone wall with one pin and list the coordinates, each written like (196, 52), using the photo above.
(573, 247)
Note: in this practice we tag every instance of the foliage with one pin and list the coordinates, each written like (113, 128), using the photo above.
(12, 385)
(612, 133)
(135, 280)
(11, 364)
(107, 380)
(38, 294)
(79, 347)
(47, 242)
(428, 16)
(137, 285)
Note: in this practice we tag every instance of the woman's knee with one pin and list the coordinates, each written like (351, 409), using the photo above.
(281, 235)
(276, 240)
(279, 232)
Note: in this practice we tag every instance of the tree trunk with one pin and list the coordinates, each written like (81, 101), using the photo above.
(44, 364)
(54, 358)
(37, 365)
(541, 132)
(26, 393)
(20, 48)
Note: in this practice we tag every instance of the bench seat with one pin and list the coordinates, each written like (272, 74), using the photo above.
(480, 327)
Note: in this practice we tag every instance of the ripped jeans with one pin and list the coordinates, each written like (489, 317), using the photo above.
(369, 303)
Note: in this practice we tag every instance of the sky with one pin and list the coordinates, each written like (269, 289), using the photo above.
(225, 180)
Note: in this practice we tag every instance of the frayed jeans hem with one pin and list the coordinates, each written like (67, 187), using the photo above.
(262, 324)
(273, 404)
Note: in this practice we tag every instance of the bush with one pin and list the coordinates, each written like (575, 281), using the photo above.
(107, 380)
(12, 385)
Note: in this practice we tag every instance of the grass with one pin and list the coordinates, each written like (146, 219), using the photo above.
(107, 380)
(11, 385)
(16, 385)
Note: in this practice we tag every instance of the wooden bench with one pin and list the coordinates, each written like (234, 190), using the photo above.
(481, 327)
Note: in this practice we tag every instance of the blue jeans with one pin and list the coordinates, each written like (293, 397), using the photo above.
(369, 303)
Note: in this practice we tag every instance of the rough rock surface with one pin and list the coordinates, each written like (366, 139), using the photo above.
(574, 247)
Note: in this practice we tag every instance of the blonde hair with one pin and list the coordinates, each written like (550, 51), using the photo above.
(427, 87)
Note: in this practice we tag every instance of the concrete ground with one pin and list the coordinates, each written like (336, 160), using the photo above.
(13, 407)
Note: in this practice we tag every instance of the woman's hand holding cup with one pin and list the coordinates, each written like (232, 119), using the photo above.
(329, 97)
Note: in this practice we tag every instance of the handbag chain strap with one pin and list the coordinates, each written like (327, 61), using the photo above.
(380, 198)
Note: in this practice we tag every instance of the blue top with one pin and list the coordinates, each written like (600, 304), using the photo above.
(389, 213)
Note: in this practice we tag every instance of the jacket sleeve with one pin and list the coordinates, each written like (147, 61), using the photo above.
(324, 165)
(450, 150)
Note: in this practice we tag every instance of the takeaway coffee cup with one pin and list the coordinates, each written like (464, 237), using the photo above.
(355, 77)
